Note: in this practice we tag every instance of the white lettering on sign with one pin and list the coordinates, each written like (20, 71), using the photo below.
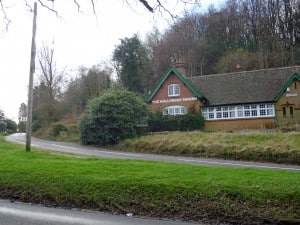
(291, 95)
(174, 100)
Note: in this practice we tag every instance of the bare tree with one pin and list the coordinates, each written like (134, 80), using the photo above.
(22, 117)
(91, 83)
(50, 76)
(153, 6)
(51, 79)
(22, 114)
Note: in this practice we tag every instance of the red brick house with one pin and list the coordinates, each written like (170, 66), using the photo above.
(257, 99)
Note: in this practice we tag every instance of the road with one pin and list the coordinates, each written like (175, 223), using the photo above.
(105, 153)
(26, 214)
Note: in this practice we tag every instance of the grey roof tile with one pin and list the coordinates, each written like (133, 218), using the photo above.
(243, 87)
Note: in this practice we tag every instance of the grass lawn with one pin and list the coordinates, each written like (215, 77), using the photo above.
(275, 147)
(151, 189)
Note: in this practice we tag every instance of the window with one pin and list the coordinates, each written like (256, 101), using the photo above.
(173, 90)
(247, 111)
(205, 112)
(166, 111)
(208, 113)
(218, 112)
(270, 109)
(284, 111)
(232, 114)
(225, 112)
(239, 111)
(253, 110)
(291, 111)
(174, 110)
(231, 111)
(262, 110)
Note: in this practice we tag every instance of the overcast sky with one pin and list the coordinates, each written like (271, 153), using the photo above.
(79, 39)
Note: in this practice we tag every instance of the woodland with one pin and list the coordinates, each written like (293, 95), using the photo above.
(249, 34)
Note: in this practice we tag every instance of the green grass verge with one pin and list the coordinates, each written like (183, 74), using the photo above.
(255, 146)
(152, 189)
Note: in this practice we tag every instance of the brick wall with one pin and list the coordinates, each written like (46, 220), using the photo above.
(240, 124)
(289, 99)
(186, 98)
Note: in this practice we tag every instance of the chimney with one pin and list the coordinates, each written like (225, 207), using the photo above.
(180, 65)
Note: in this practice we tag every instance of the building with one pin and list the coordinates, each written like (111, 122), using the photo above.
(259, 99)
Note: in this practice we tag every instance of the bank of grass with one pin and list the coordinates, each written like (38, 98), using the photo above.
(154, 189)
(260, 146)
(255, 146)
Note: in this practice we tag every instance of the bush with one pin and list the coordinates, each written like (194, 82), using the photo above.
(114, 116)
(187, 122)
(73, 128)
(8, 126)
(57, 128)
(36, 125)
(22, 126)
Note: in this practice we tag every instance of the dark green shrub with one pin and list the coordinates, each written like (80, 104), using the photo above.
(73, 128)
(116, 115)
(57, 128)
(22, 126)
(8, 126)
(36, 125)
(187, 122)
(3, 126)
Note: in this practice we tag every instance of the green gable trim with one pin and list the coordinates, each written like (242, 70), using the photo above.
(171, 70)
(294, 77)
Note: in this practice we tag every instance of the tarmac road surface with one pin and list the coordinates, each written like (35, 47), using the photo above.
(26, 214)
(105, 153)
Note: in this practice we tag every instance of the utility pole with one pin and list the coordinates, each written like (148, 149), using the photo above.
(30, 87)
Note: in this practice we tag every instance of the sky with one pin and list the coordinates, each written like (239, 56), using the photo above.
(79, 39)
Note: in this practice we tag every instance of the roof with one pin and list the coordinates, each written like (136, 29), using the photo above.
(294, 77)
(244, 87)
(173, 70)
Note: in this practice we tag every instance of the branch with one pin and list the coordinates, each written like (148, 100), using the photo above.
(28, 6)
(93, 5)
(94, 10)
(159, 6)
(47, 7)
(5, 18)
(155, 5)
(77, 4)
(146, 4)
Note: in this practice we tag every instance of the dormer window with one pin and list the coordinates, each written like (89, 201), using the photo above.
(173, 90)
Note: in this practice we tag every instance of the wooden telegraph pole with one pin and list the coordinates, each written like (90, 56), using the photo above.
(30, 88)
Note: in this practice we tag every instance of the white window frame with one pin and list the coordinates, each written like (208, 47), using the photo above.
(173, 90)
(261, 110)
(174, 110)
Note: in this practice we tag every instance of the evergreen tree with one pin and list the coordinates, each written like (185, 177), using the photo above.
(132, 64)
